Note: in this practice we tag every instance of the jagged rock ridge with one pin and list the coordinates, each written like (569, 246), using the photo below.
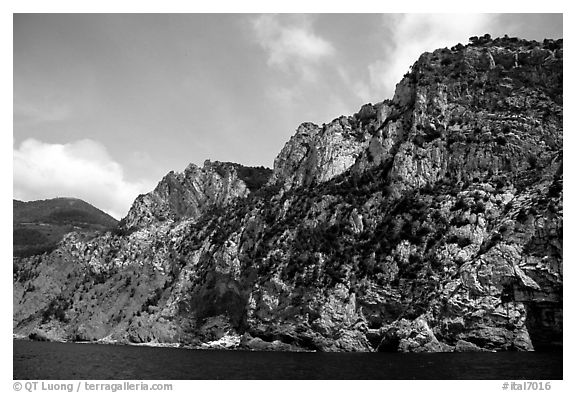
(429, 222)
(189, 194)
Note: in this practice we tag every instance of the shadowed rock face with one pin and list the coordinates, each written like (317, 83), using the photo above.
(428, 222)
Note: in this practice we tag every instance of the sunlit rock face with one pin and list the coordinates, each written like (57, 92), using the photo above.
(317, 154)
(431, 221)
(191, 193)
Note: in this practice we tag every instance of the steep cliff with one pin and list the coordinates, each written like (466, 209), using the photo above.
(317, 154)
(429, 222)
(191, 193)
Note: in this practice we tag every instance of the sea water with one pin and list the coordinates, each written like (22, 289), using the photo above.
(49, 360)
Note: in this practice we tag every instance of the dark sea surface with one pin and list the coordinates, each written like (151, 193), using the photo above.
(48, 360)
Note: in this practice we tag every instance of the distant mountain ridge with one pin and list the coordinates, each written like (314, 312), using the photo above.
(38, 226)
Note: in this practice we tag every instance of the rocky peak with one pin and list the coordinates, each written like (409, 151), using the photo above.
(471, 112)
(316, 154)
(192, 192)
(483, 91)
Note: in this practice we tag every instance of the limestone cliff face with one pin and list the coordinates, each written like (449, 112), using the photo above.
(429, 222)
(317, 154)
(191, 193)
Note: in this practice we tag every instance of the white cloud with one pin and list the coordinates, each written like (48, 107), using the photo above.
(357, 86)
(82, 169)
(409, 35)
(291, 43)
(293, 47)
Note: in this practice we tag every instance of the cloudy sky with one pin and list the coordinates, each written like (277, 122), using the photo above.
(106, 104)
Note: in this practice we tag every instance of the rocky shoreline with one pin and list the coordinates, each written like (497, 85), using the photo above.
(225, 343)
(229, 343)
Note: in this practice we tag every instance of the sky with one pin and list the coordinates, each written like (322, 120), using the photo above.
(104, 105)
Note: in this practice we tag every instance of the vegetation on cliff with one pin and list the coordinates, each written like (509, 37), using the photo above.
(38, 226)
(428, 222)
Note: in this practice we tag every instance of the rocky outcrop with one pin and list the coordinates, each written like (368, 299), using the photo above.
(429, 222)
(193, 192)
(317, 154)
